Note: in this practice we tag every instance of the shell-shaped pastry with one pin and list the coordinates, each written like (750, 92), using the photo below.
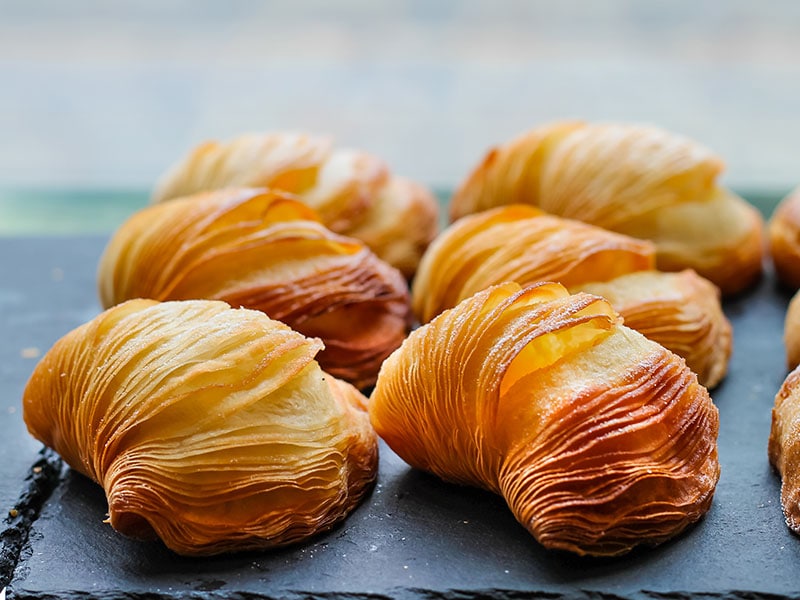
(791, 332)
(210, 427)
(784, 240)
(637, 180)
(521, 243)
(598, 438)
(261, 249)
(784, 447)
(354, 192)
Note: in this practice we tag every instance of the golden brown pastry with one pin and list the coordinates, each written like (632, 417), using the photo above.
(784, 240)
(598, 438)
(791, 332)
(636, 180)
(681, 311)
(210, 427)
(784, 447)
(353, 192)
(263, 250)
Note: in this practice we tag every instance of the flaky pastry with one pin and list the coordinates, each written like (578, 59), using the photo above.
(353, 192)
(681, 311)
(636, 180)
(264, 250)
(784, 446)
(791, 332)
(598, 438)
(784, 240)
(210, 427)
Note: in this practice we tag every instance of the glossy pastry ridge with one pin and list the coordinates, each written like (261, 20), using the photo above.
(264, 250)
(211, 427)
(523, 244)
(354, 192)
(598, 439)
(637, 180)
(681, 311)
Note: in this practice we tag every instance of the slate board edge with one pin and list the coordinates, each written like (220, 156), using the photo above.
(43, 478)
(400, 594)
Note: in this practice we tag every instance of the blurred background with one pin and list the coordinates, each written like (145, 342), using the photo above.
(98, 98)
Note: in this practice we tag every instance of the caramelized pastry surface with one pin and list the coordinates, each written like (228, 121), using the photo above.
(636, 180)
(791, 332)
(681, 311)
(784, 447)
(784, 240)
(210, 427)
(598, 439)
(354, 193)
(264, 250)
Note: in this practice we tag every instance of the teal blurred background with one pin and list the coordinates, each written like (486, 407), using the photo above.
(98, 98)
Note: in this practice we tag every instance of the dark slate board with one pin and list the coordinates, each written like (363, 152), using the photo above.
(414, 536)
(46, 289)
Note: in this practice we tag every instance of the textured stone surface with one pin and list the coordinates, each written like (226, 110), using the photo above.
(414, 536)
(46, 289)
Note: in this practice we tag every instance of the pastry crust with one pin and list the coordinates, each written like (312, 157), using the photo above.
(680, 311)
(784, 240)
(784, 447)
(353, 192)
(636, 180)
(210, 427)
(264, 250)
(520, 243)
(598, 439)
(523, 244)
(791, 332)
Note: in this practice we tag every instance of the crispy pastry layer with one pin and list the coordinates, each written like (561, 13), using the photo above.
(263, 250)
(791, 332)
(213, 428)
(784, 240)
(784, 447)
(681, 311)
(353, 192)
(521, 243)
(598, 438)
(636, 180)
